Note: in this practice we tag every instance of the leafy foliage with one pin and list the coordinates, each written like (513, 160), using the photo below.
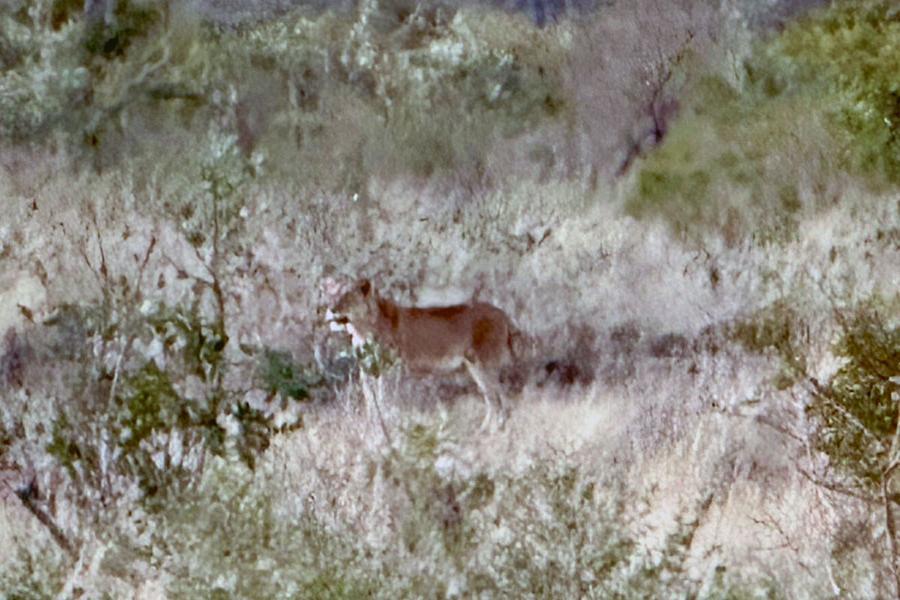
(373, 358)
(211, 214)
(253, 552)
(131, 20)
(42, 74)
(407, 91)
(198, 344)
(281, 375)
(780, 330)
(714, 170)
(857, 414)
(151, 425)
(823, 94)
(35, 570)
(856, 410)
(849, 57)
(134, 426)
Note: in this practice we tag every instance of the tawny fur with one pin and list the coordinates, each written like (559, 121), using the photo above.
(442, 339)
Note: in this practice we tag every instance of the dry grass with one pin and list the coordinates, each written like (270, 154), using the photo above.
(653, 450)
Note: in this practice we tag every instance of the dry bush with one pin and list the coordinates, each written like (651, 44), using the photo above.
(753, 155)
(624, 75)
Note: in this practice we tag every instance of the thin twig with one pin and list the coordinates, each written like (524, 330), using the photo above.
(838, 489)
(770, 522)
(890, 525)
(91, 268)
(764, 420)
(104, 271)
(26, 496)
(182, 274)
(145, 261)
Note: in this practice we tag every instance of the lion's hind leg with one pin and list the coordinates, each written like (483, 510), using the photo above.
(489, 384)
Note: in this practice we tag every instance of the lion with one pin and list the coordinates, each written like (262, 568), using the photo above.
(439, 339)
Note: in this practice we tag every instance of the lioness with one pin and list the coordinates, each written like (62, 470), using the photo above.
(434, 340)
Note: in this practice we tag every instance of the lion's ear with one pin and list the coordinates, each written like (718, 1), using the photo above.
(365, 287)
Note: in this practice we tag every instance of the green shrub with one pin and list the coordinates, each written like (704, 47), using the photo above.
(772, 328)
(777, 329)
(128, 433)
(198, 344)
(130, 423)
(149, 404)
(35, 570)
(131, 20)
(373, 358)
(281, 375)
(848, 58)
(43, 79)
(714, 170)
(308, 91)
(820, 98)
(857, 412)
(226, 540)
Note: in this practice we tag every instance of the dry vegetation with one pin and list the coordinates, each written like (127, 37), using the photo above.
(693, 214)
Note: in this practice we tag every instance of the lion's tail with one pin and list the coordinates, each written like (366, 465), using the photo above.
(515, 374)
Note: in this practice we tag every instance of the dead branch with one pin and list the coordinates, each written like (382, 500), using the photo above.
(145, 261)
(890, 524)
(90, 265)
(771, 523)
(887, 498)
(104, 271)
(27, 495)
(838, 489)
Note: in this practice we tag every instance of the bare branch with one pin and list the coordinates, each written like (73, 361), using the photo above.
(91, 268)
(771, 523)
(145, 261)
(182, 274)
(26, 496)
(838, 489)
(890, 524)
(764, 420)
(104, 271)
